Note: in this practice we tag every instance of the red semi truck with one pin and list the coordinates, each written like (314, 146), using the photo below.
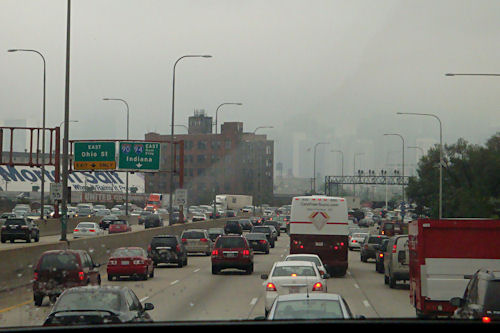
(442, 252)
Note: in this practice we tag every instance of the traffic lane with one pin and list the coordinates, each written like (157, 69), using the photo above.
(177, 293)
(385, 302)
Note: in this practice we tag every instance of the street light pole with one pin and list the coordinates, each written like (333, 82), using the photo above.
(440, 155)
(42, 196)
(403, 166)
(342, 155)
(354, 171)
(172, 126)
(128, 128)
(214, 214)
(314, 164)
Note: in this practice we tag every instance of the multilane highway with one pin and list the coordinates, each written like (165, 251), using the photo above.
(192, 293)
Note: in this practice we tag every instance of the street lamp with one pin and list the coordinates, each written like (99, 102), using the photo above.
(440, 155)
(342, 155)
(354, 172)
(215, 176)
(128, 128)
(403, 165)
(42, 197)
(260, 127)
(172, 126)
(314, 163)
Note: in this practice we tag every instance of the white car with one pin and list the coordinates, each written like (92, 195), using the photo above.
(198, 216)
(292, 277)
(87, 229)
(356, 239)
(312, 258)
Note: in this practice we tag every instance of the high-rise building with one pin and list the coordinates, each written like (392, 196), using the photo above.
(230, 162)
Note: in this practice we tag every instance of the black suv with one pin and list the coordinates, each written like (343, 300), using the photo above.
(107, 220)
(153, 221)
(233, 227)
(168, 249)
(481, 299)
(20, 228)
(367, 250)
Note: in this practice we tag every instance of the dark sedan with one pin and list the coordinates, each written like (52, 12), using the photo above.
(98, 305)
(258, 242)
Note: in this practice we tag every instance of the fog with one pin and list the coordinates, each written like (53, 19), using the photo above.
(317, 71)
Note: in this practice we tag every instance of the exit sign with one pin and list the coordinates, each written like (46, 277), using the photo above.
(94, 155)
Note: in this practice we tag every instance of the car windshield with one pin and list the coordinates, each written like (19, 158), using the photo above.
(351, 118)
(85, 225)
(281, 271)
(308, 309)
(89, 300)
(10, 222)
(255, 236)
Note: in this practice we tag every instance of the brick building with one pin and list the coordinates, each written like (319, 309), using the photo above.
(232, 162)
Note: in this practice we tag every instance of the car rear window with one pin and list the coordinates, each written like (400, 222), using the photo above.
(311, 259)
(163, 241)
(92, 299)
(230, 242)
(255, 236)
(294, 270)
(59, 261)
(119, 222)
(86, 225)
(128, 253)
(15, 222)
(261, 229)
(375, 240)
(193, 235)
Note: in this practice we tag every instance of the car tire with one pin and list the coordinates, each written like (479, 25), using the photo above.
(180, 263)
(386, 279)
(152, 275)
(215, 270)
(110, 277)
(249, 269)
(3, 240)
(28, 239)
(392, 282)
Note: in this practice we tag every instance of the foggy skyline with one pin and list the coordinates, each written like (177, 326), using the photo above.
(333, 71)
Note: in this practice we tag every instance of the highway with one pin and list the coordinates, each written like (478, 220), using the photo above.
(192, 293)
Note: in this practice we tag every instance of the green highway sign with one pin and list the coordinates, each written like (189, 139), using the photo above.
(139, 156)
(91, 155)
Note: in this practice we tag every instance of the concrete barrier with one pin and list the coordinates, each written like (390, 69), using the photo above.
(52, 227)
(18, 263)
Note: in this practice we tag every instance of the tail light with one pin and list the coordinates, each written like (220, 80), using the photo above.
(149, 248)
(246, 253)
(203, 240)
(381, 255)
(215, 252)
(394, 247)
(271, 287)
(184, 240)
(318, 286)
(92, 230)
(178, 248)
(486, 320)
(76, 230)
(35, 276)
(263, 241)
(81, 276)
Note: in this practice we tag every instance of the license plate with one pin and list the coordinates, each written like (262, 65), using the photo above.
(125, 262)
(230, 254)
(294, 290)
(319, 243)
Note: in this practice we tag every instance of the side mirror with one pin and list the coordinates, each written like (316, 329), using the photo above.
(148, 306)
(457, 301)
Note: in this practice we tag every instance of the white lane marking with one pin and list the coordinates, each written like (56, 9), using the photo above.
(196, 270)
(143, 299)
(356, 286)
(175, 282)
(366, 303)
(253, 301)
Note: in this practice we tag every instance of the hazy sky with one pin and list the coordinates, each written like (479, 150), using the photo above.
(334, 70)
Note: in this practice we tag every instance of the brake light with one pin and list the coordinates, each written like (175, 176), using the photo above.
(318, 286)
(270, 287)
(215, 252)
(76, 230)
(178, 248)
(262, 241)
(184, 240)
(204, 240)
(486, 320)
(81, 276)
(35, 276)
(92, 230)
(149, 248)
(394, 247)
(246, 252)
(381, 255)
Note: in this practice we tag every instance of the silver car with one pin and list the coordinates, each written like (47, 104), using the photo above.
(356, 239)
(309, 306)
(87, 229)
(197, 241)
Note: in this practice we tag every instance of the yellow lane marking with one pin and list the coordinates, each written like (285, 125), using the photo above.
(15, 306)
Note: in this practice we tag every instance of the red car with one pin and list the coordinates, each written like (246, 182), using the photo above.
(119, 226)
(232, 251)
(130, 261)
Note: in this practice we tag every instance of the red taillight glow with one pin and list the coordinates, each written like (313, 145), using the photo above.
(184, 240)
(381, 255)
(215, 252)
(271, 287)
(486, 320)
(81, 276)
(394, 247)
(263, 241)
(76, 230)
(35, 277)
(318, 286)
(246, 252)
(203, 240)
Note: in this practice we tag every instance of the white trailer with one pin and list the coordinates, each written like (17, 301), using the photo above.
(233, 201)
